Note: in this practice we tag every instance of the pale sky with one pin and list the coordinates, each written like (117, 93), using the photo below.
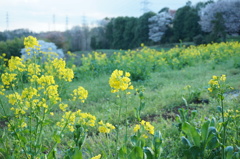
(39, 15)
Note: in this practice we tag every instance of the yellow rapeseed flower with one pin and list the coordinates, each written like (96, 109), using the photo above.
(223, 78)
(147, 126)
(136, 128)
(14, 98)
(97, 157)
(46, 80)
(80, 94)
(63, 106)
(30, 42)
(33, 69)
(15, 63)
(119, 82)
(105, 128)
(8, 78)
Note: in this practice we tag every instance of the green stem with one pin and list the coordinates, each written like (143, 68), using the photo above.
(109, 151)
(119, 120)
(31, 128)
(41, 128)
(224, 131)
(54, 145)
(126, 122)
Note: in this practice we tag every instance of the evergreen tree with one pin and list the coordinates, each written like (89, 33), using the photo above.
(185, 24)
(142, 29)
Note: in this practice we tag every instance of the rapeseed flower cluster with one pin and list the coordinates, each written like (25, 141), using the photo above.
(33, 69)
(14, 98)
(216, 83)
(45, 80)
(58, 69)
(146, 126)
(120, 81)
(16, 63)
(30, 42)
(71, 119)
(105, 127)
(85, 119)
(63, 106)
(52, 93)
(142, 61)
(29, 93)
(7, 78)
(79, 94)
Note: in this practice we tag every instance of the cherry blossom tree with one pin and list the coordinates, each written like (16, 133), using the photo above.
(230, 12)
(158, 25)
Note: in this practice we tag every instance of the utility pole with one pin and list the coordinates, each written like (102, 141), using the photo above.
(145, 4)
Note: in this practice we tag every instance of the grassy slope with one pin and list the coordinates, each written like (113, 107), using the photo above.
(163, 96)
(164, 90)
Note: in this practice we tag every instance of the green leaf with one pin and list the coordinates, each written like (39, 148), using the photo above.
(122, 152)
(196, 152)
(52, 155)
(182, 113)
(57, 138)
(157, 143)
(229, 152)
(22, 138)
(204, 131)
(148, 153)
(219, 109)
(213, 122)
(134, 140)
(193, 114)
(186, 142)
(157, 139)
(136, 153)
(192, 133)
(185, 101)
(77, 154)
(212, 143)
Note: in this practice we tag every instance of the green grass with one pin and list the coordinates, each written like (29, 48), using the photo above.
(164, 90)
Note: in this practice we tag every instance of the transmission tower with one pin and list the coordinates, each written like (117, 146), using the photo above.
(145, 4)
(66, 22)
(53, 20)
(7, 21)
(84, 22)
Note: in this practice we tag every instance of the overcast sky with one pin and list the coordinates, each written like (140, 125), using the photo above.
(48, 15)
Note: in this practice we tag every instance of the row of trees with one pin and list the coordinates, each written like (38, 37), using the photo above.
(202, 23)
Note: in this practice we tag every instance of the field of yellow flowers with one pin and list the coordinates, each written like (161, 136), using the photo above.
(136, 104)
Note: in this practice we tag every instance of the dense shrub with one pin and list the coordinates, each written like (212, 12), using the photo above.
(11, 47)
